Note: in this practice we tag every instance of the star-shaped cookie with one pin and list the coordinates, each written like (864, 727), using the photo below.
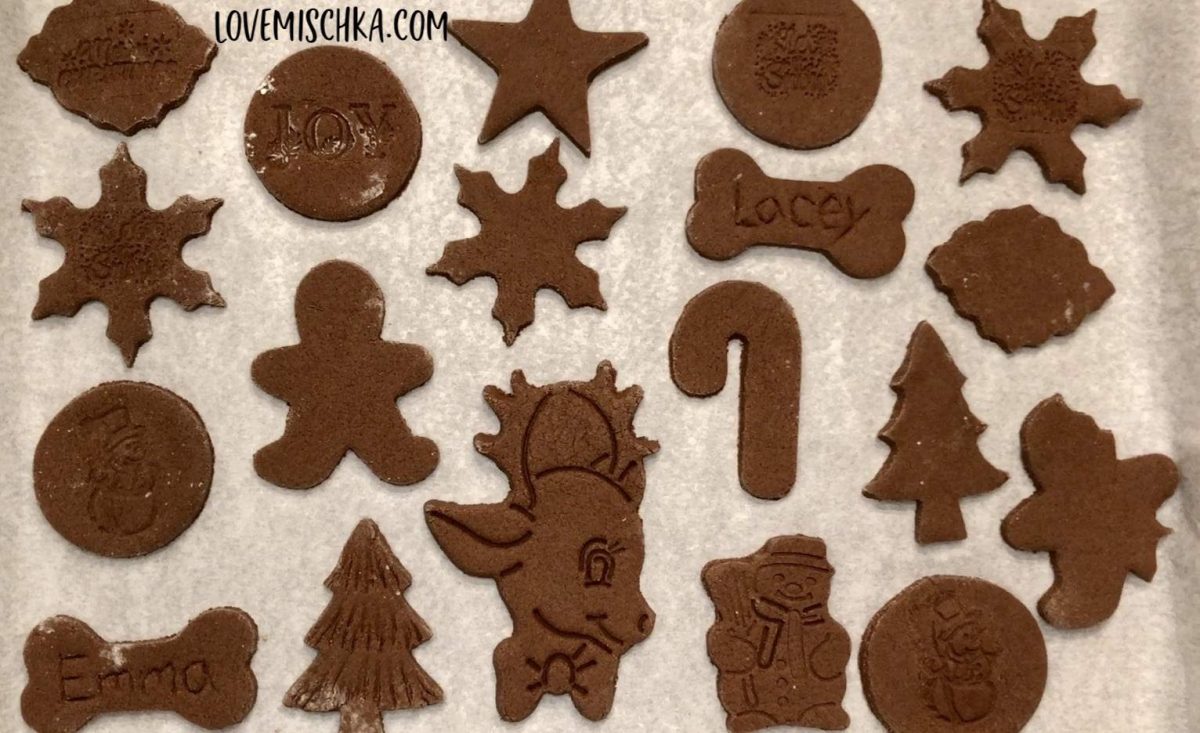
(123, 254)
(545, 63)
(1031, 95)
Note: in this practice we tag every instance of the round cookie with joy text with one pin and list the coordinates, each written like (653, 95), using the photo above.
(332, 134)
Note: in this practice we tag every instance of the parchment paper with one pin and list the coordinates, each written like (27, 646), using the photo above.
(267, 550)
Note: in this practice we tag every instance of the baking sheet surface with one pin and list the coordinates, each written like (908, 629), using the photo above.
(1132, 365)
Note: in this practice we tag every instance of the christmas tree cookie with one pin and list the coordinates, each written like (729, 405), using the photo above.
(935, 460)
(364, 641)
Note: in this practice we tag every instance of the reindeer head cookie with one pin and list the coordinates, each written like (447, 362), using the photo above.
(565, 547)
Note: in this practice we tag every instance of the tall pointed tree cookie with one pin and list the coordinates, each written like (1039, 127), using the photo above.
(364, 641)
(1094, 513)
(935, 460)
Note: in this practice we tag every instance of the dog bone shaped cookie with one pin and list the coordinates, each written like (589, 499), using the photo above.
(202, 673)
(857, 222)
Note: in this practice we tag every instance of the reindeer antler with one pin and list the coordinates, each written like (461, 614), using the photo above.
(511, 449)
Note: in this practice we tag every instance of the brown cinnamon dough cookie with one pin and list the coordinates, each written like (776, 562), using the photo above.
(1094, 513)
(122, 64)
(123, 469)
(545, 63)
(952, 654)
(933, 435)
(769, 402)
(202, 673)
(364, 641)
(123, 254)
(1019, 277)
(780, 655)
(527, 242)
(858, 222)
(1031, 96)
(332, 133)
(565, 546)
(798, 73)
(341, 383)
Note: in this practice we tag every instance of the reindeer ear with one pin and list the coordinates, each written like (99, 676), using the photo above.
(483, 540)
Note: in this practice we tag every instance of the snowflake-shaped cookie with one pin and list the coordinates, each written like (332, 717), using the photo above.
(527, 242)
(123, 254)
(1031, 96)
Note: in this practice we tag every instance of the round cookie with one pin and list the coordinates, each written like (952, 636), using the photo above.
(798, 73)
(123, 469)
(332, 134)
(950, 654)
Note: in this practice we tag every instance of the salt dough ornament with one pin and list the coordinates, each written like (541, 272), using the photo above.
(332, 133)
(1031, 96)
(364, 641)
(123, 469)
(1093, 513)
(802, 74)
(122, 64)
(123, 254)
(341, 383)
(932, 433)
(202, 673)
(1019, 277)
(952, 654)
(769, 403)
(857, 223)
(780, 656)
(545, 63)
(565, 547)
(527, 242)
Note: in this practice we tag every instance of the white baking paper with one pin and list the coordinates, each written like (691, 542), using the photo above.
(267, 550)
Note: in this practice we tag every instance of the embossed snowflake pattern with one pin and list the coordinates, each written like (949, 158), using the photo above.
(124, 254)
(527, 242)
(1031, 96)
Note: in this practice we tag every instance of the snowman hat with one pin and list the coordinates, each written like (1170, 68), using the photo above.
(798, 550)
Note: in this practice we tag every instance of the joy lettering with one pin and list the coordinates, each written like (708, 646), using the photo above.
(331, 131)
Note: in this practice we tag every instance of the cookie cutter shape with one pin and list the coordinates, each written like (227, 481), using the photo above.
(1019, 278)
(1031, 96)
(857, 223)
(527, 242)
(1094, 513)
(332, 133)
(802, 74)
(364, 641)
(545, 63)
(565, 546)
(780, 656)
(123, 469)
(341, 383)
(935, 458)
(951, 654)
(202, 673)
(122, 64)
(769, 403)
(123, 254)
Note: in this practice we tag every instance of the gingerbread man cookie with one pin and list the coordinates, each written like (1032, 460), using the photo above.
(341, 383)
